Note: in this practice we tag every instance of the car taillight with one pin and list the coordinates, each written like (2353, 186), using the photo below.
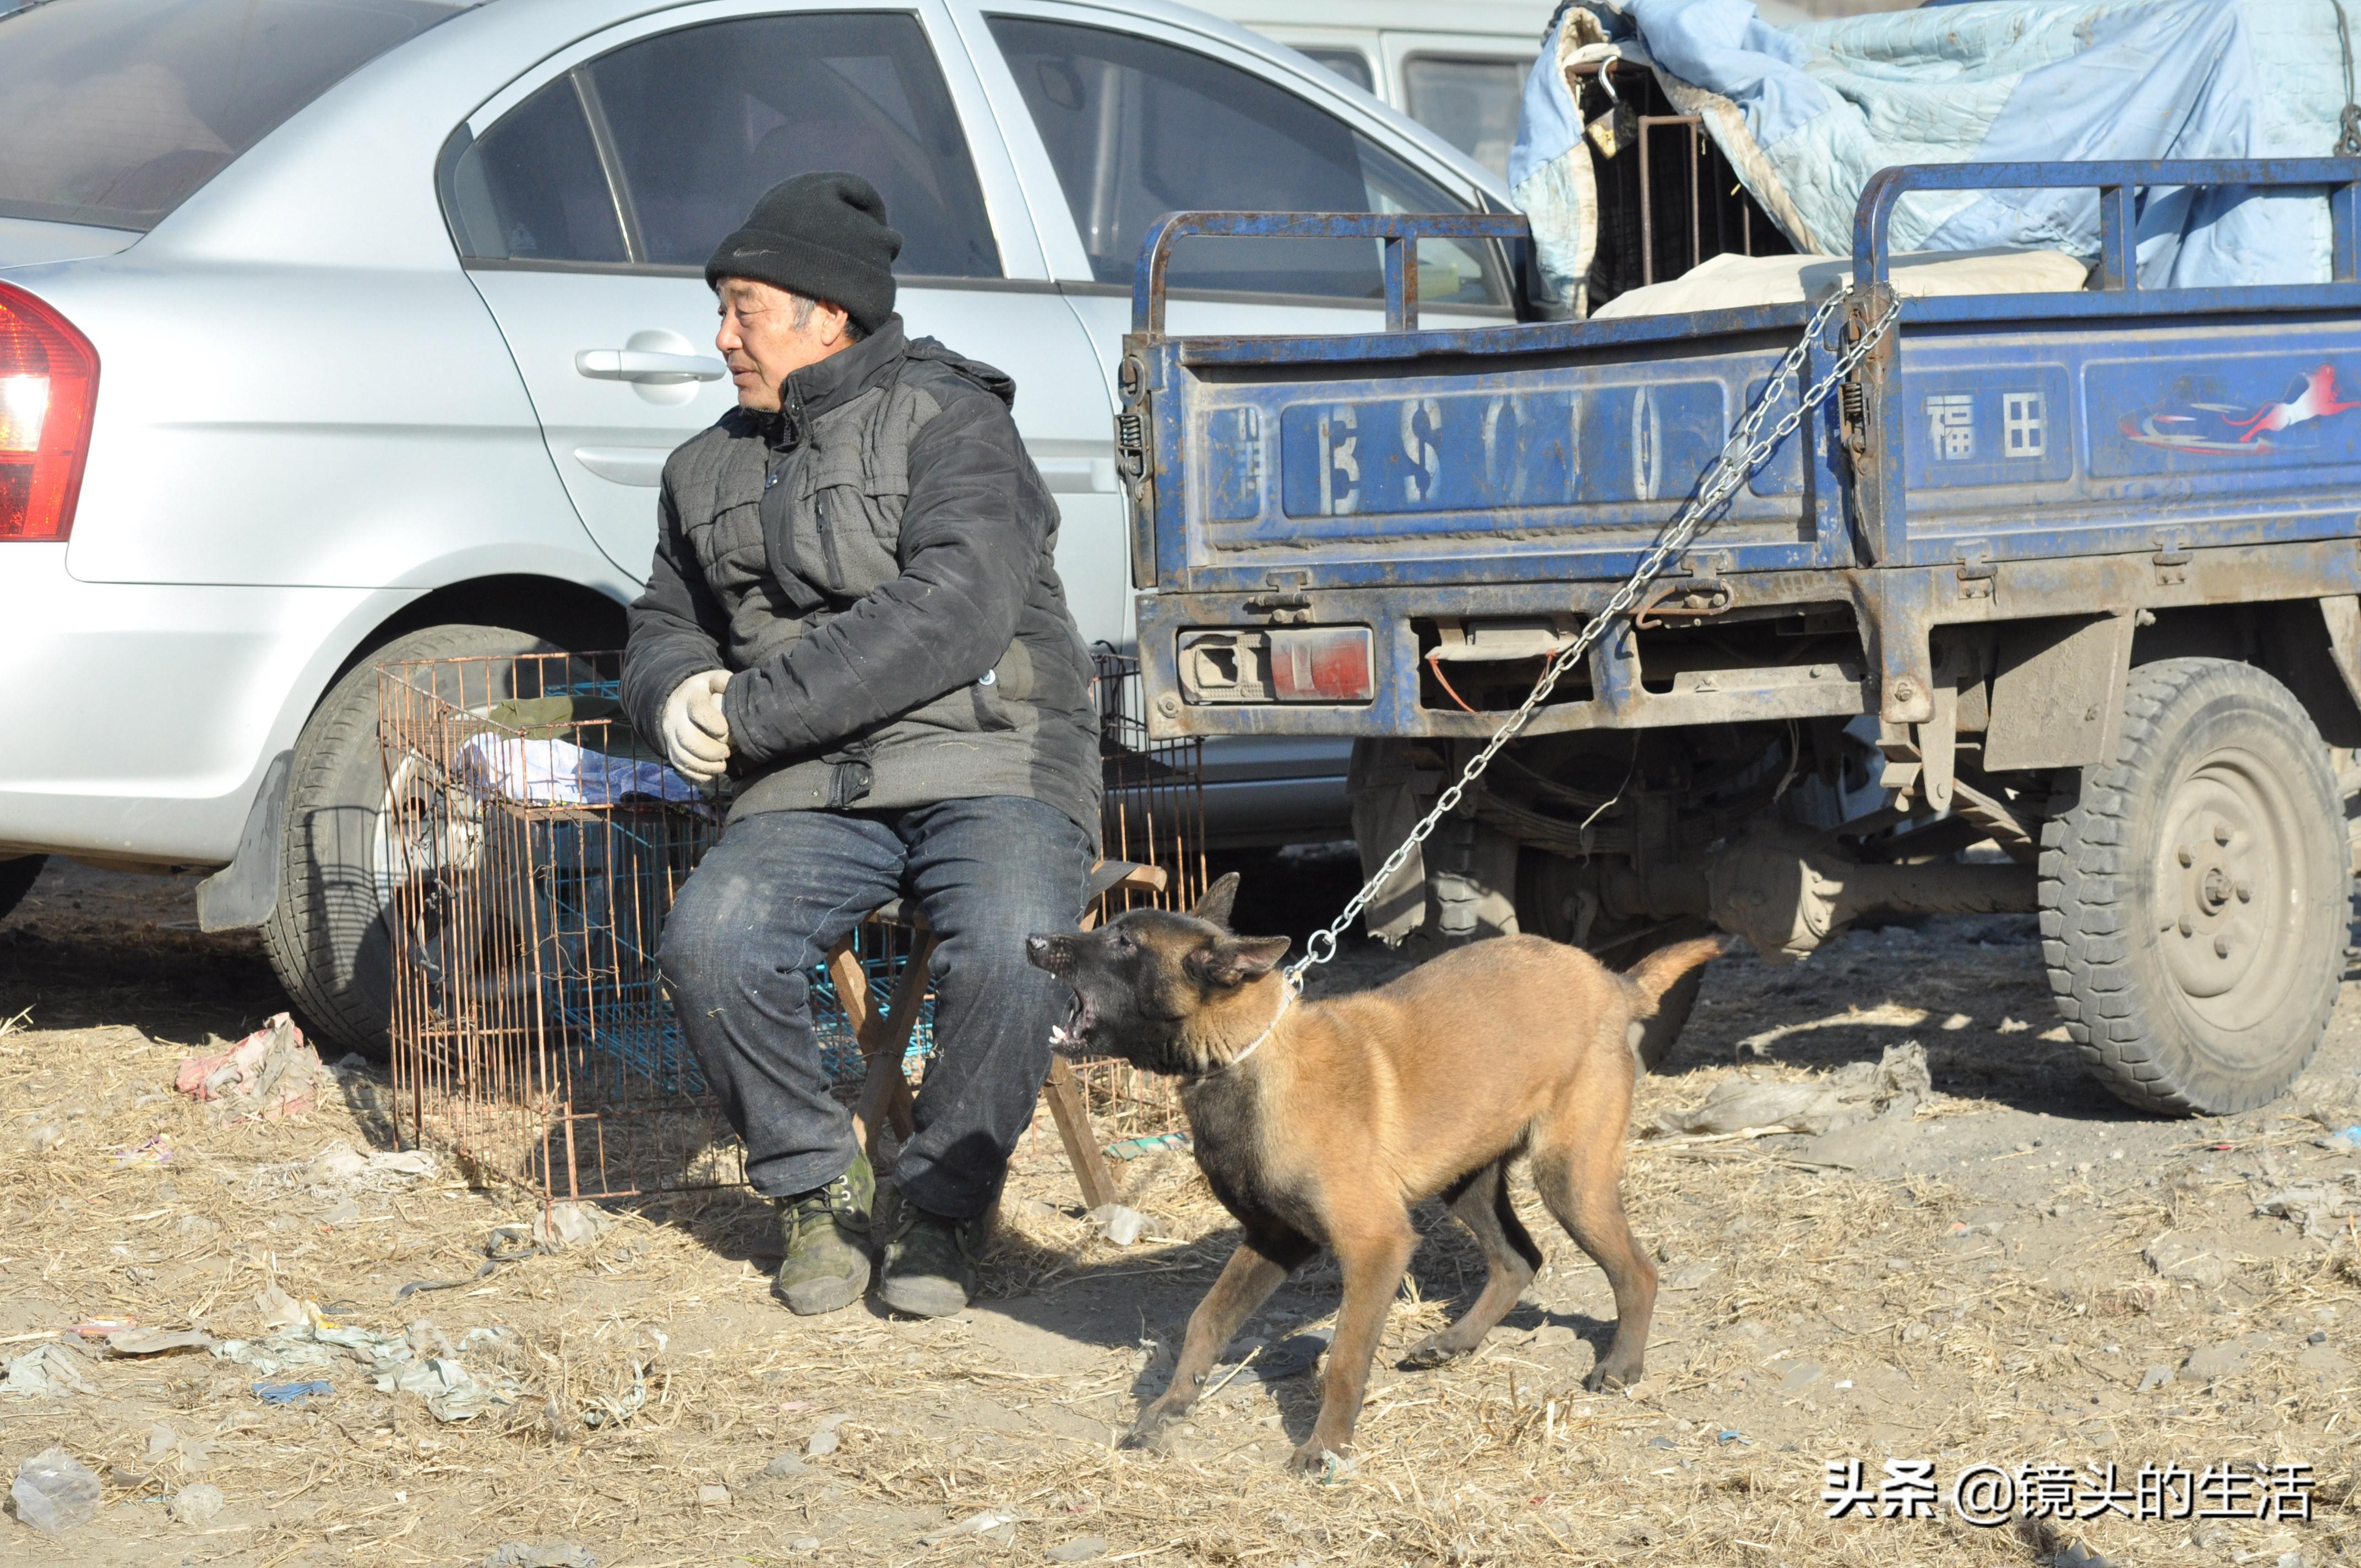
(48, 385)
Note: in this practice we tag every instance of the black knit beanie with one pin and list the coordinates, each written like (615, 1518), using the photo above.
(820, 236)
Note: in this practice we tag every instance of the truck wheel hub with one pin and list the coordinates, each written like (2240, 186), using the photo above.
(2225, 848)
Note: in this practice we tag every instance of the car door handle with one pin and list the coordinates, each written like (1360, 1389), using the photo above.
(642, 467)
(1085, 476)
(645, 365)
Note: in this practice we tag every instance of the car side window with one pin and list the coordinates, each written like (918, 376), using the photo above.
(1137, 128)
(1349, 63)
(705, 119)
(532, 189)
(1471, 104)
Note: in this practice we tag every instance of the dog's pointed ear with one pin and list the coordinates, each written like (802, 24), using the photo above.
(1214, 906)
(1233, 960)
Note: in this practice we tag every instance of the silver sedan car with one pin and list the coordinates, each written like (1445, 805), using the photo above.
(338, 332)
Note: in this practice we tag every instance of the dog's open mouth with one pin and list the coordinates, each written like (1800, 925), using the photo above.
(1074, 1034)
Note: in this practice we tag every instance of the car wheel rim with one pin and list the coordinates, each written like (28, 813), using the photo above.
(2231, 892)
(423, 830)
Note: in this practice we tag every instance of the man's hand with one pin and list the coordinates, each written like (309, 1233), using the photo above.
(696, 735)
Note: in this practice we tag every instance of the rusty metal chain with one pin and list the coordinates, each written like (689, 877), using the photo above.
(1741, 455)
(2349, 133)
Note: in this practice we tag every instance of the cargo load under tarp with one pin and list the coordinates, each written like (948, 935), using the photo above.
(1729, 282)
(1806, 115)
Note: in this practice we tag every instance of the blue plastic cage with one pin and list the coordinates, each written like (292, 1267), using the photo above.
(602, 886)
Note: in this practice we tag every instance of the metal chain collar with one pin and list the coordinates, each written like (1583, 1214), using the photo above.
(1741, 455)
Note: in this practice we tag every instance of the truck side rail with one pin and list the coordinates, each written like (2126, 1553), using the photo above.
(2114, 290)
(1400, 231)
(2117, 183)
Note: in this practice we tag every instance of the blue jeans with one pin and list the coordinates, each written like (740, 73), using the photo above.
(770, 900)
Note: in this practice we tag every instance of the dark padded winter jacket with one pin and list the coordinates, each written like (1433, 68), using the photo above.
(873, 563)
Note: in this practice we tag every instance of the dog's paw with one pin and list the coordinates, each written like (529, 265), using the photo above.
(1153, 1429)
(1432, 1350)
(1608, 1376)
(1322, 1463)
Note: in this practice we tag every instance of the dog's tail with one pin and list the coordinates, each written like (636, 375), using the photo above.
(1647, 981)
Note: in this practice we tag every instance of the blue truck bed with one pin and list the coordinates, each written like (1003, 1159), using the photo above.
(1923, 620)
(1519, 471)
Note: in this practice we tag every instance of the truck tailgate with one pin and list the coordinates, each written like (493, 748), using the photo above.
(1501, 454)
(1989, 428)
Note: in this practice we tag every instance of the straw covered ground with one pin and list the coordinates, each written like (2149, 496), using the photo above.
(2018, 1271)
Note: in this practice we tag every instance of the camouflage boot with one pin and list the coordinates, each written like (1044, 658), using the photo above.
(826, 1236)
(929, 1262)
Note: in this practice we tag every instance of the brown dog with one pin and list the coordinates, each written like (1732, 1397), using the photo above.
(1321, 1124)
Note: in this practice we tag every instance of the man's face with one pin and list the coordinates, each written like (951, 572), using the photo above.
(762, 343)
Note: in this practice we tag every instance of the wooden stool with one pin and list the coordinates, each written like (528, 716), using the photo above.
(885, 1038)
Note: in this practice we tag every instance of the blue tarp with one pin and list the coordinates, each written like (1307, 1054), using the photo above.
(1807, 114)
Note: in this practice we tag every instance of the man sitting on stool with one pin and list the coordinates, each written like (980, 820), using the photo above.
(853, 612)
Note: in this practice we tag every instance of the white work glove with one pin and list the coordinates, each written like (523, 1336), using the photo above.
(696, 735)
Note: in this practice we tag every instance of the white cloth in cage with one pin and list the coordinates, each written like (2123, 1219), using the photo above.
(558, 772)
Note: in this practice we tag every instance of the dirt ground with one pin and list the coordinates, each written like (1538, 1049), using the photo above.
(2020, 1271)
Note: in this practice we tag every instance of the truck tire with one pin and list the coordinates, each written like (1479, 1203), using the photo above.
(2194, 894)
(2346, 765)
(16, 879)
(327, 937)
(1544, 882)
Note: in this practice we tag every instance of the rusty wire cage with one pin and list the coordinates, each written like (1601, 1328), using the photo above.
(1153, 813)
(529, 848)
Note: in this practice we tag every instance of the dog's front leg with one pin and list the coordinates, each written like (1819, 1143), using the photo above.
(1372, 1264)
(1245, 1283)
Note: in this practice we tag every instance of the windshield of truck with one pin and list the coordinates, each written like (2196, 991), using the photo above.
(114, 112)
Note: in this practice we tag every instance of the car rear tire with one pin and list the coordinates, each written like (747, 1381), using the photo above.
(17, 876)
(2194, 894)
(327, 939)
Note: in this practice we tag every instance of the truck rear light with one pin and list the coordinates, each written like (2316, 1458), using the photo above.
(48, 387)
(1311, 663)
(1322, 664)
